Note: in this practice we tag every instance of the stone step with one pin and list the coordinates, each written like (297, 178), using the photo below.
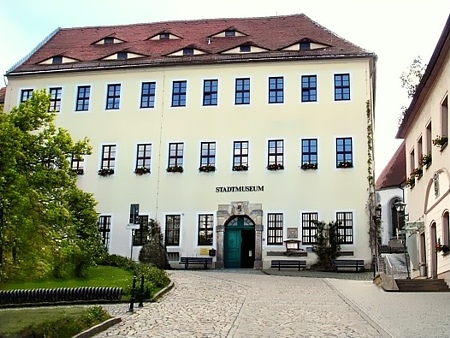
(422, 285)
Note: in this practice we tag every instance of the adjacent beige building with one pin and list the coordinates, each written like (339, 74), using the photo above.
(235, 134)
(425, 129)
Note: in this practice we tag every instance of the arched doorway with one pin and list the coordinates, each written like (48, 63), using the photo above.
(397, 219)
(239, 242)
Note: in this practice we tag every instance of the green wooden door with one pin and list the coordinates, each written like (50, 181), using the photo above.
(233, 241)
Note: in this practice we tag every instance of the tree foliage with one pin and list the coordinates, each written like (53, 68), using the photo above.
(328, 244)
(154, 252)
(410, 79)
(47, 224)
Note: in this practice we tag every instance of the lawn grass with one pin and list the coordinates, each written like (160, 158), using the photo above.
(97, 276)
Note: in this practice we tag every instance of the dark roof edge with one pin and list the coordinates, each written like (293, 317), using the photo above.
(191, 61)
(410, 112)
(34, 50)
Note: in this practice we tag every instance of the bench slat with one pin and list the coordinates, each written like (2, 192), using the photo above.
(196, 260)
(288, 264)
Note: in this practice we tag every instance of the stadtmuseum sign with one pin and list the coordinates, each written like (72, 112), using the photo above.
(241, 188)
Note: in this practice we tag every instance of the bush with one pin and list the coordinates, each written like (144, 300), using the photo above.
(66, 326)
(155, 278)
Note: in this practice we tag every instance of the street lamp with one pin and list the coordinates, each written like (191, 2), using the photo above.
(400, 207)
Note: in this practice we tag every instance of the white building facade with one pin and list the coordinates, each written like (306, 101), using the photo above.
(235, 135)
(425, 129)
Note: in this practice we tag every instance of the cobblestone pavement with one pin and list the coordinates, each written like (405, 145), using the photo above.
(248, 303)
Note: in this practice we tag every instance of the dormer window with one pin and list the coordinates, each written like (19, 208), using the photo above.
(188, 51)
(164, 36)
(122, 55)
(108, 41)
(230, 32)
(305, 45)
(57, 60)
(245, 49)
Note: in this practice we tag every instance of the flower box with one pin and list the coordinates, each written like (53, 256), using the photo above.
(411, 181)
(445, 249)
(309, 166)
(207, 168)
(142, 171)
(106, 171)
(275, 166)
(345, 164)
(440, 141)
(78, 171)
(418, 172)
(426, 160)
(240, 167)
(175, 169)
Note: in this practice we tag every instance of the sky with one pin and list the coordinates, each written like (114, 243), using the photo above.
(397, 31)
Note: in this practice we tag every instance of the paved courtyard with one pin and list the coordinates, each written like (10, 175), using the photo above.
(249, 303)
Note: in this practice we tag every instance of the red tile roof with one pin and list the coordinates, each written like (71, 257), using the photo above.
(2, 95)
(394, 174)
(271, 33)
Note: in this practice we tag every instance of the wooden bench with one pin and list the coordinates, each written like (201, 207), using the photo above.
(288, 264)
(196, 260)
(358, 264)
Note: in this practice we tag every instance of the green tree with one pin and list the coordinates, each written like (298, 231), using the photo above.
(154, 252)
(46, 223)
(328, 245)
(410, 79)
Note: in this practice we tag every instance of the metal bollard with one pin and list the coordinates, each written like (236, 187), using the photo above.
(141, 292)
(133, 295)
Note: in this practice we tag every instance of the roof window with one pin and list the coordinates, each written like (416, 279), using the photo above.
(305, 45)
(230, 32)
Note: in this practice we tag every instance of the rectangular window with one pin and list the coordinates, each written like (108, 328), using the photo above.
(245, 48)
(309, 153)
(104, 226)
(309, 88)
(309, 227)
(240, 155)
(276, 155)
(83, 96)
(113, 96)
(344, 152)
(176, 155)
(429, 136)
(419, 152)
(205, 229)
(25, 94)
(55, 99)
(444, 117)
(345, 227)
(412, 161)
(242, 91)
(173, 223)
(108, 156)
(274, 229)
(208, 154)
(77, 164)
(148, 94)
(276, 90)
(210, 92)
(342, 87)
(179, 93)
(134, 214)
(143, 157)
(140, 236)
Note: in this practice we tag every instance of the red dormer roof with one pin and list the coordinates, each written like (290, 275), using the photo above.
(2, 95)
(394, 174)
(271, 33)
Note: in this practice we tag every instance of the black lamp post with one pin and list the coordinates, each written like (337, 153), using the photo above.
(400, 207)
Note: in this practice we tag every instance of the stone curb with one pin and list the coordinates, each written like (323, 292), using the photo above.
(98, 328)
(113, 321)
